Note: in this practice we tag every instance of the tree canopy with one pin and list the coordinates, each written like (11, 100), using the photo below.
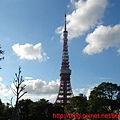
(78, 104)
(105, 98)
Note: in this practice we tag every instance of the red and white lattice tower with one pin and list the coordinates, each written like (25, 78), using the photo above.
(65, 90)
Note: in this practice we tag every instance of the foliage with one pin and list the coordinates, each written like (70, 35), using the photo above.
(2, 106)
(40, 110)
(78, 104)
(104, 98)
(24, 106)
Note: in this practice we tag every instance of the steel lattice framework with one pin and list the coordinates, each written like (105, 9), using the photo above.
(65, 90)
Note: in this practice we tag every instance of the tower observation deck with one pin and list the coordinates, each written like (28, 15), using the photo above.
(65, 90)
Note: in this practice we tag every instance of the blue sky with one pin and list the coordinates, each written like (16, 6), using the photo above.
(31, 33)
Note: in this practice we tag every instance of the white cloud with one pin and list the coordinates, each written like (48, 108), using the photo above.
(37, 89)
(4, 90)
(118, 51)
(84, 91)
(30, 52)
(77, 91)
(102, 38)
(28, 78)
(86, 15)
(71, 5)
(39, 86)
(88, 93)
(89, 89)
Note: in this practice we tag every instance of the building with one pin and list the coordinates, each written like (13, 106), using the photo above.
(65, 90)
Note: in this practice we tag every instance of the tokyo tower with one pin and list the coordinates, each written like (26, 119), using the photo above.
(65, 90)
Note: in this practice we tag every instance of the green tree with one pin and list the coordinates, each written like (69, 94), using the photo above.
(2, 107)
(40, 110)
(44, 110)
(7, 112)
(57, 109)
(24, 106)
(104, 98)
(78, 104)
(29, 110)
